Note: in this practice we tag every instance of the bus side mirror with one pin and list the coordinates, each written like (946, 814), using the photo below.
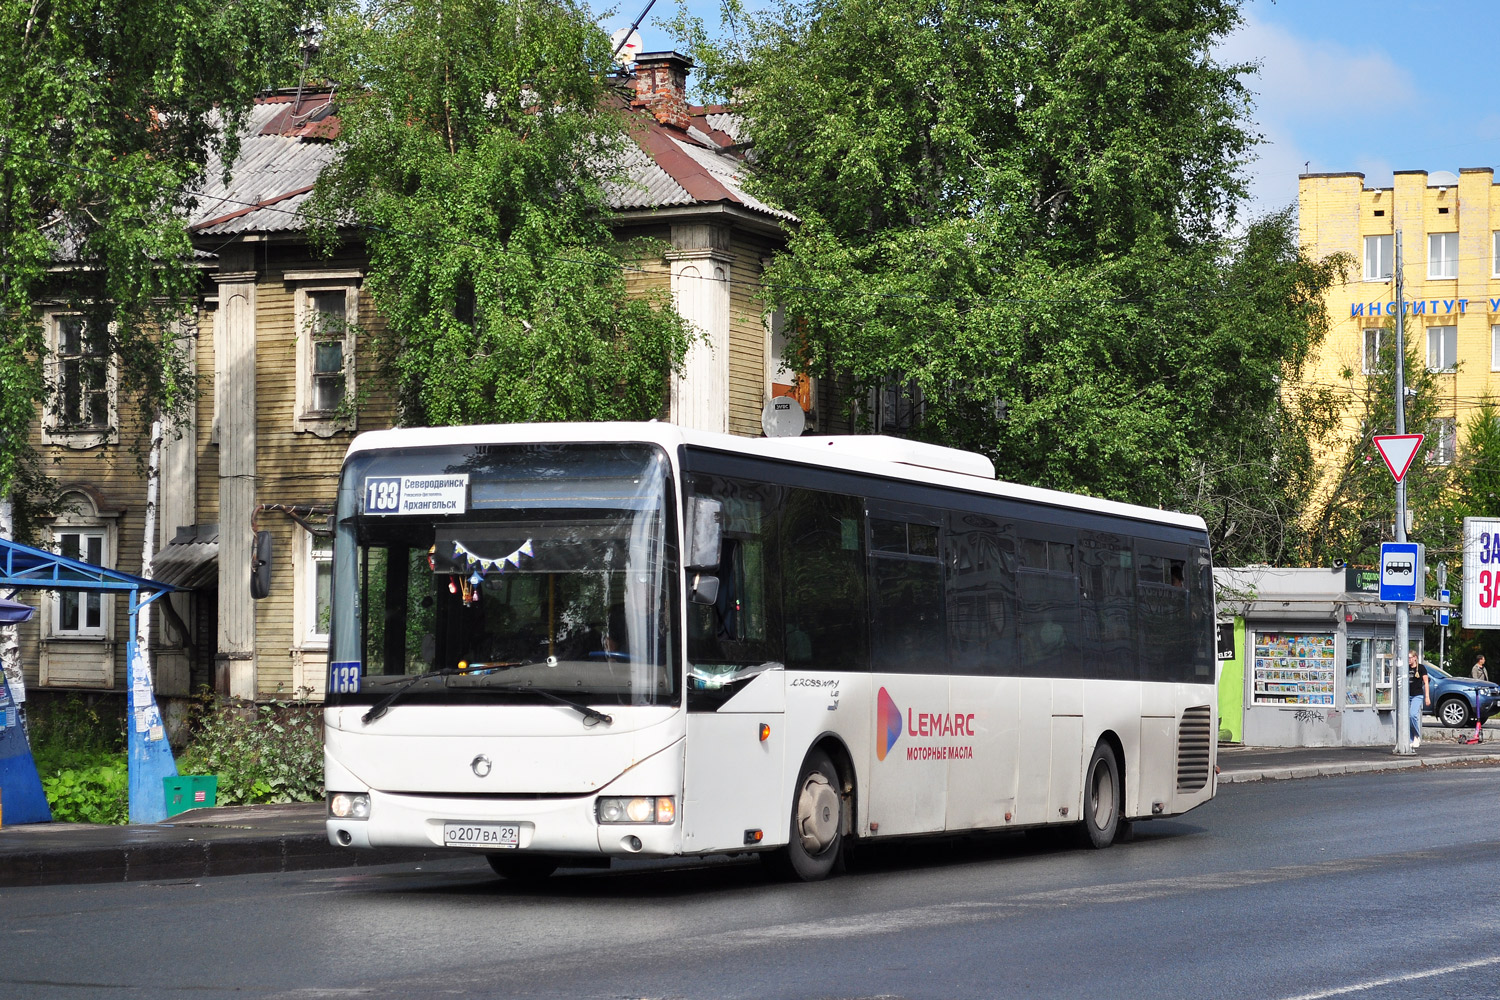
(705, 529)
(705, 589)
(260, 566)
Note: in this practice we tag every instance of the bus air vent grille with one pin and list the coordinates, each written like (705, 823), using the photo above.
(1192, 749)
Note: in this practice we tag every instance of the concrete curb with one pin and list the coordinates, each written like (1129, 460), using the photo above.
(190, 859)
(1357, 767)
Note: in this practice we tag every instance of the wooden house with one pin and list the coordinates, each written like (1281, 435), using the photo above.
(286, 384)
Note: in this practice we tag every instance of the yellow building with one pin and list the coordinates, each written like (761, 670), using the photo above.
(1450, 249)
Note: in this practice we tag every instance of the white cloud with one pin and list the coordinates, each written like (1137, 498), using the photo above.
(1304, 79)
(1304, 83)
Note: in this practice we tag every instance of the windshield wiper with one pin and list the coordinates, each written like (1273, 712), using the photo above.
(589, 714)
(380, 707)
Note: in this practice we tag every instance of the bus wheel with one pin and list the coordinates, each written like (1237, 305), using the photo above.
(1101, 797)
(817, 816)
(523, 868)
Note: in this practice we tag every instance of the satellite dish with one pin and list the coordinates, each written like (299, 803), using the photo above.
(626, 45)
(782, 416)
(1442, 179)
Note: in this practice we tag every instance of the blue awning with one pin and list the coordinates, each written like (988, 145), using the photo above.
(37, 569)
(14, 613)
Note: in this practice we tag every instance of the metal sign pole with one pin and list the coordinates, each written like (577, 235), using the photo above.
(1399, 684)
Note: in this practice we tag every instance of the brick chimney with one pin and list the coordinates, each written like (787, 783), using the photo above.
(661, 86)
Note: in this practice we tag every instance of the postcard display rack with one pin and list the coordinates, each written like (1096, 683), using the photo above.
(1293, 668)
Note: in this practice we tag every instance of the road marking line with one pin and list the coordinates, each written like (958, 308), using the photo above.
(1389, 980)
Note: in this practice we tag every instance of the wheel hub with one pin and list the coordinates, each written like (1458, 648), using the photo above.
(817, 814)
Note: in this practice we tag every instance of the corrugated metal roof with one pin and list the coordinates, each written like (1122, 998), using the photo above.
(281, 156)
(269, 181)
(729, 171)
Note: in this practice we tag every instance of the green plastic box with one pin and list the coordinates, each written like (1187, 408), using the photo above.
(190, 791)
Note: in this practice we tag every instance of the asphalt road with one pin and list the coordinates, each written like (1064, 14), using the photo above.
(1364, 886)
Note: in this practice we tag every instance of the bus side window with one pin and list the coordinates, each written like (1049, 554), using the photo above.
(1166, 639)
(982, 594)
(823, 581)
(1201, 613)
(1108, 605)
(1047, 582)
(908, 619)
(740, 629)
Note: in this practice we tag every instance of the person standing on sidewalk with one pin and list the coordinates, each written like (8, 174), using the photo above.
(1417, 687)
(1479, 673)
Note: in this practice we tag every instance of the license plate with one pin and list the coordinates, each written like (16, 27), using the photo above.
(481, 835)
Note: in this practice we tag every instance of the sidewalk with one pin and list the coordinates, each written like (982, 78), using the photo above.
(244, 840)
(230, 840)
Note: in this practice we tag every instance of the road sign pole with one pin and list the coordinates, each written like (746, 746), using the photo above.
(1399, 685)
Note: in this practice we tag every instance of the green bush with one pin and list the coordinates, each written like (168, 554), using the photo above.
(260, 753)
(92, 794)
(74, 732)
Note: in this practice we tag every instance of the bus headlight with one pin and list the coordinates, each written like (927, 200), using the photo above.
(344, 805)
(640, 809)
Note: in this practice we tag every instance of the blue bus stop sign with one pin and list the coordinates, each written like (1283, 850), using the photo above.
(1398, 571)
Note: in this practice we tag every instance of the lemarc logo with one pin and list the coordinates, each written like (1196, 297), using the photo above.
(887, 724)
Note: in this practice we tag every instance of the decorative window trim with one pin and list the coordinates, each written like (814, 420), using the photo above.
(1495, 348)
(81, 515)
(54, 430)
(1495, 254)
(306, 418)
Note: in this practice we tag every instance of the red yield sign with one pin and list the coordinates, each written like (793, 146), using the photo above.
(1398, 450)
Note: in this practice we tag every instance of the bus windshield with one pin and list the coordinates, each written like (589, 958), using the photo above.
(554, 579)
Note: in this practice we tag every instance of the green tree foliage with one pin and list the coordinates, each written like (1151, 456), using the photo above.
(1476, 483)
(1354, 511)
(111, 112)
(1022, 208)
(472, 158)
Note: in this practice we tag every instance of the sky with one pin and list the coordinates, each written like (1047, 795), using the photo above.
(1343, 85)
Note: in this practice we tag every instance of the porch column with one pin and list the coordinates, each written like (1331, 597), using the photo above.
(234, 412)
(700, 290)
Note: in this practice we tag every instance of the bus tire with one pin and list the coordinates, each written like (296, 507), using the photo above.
(522, 868)
(816, 841)
(1101, 797)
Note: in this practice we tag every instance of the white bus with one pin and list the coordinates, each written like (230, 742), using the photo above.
(559, 644)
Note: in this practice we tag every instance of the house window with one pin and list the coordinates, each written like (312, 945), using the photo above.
(1442, 436)
(81, 409)
(316, 581)
(899, 406)
(1442, 255)
(1495, 254)
(326, 321)
(77, 613)
(1442, 348)
(1378, 258)
(1495, 348)
(1371, 362)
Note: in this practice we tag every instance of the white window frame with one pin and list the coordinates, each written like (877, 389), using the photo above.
(1370, 359)
(84, 599)
(56, 429)
(1442, 256)
(1443, 432)
(81, 516)
(1384, 248)
(307, 418)
(1445, 358)
(1495, 254)
(1495, 348)
(314, 552)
